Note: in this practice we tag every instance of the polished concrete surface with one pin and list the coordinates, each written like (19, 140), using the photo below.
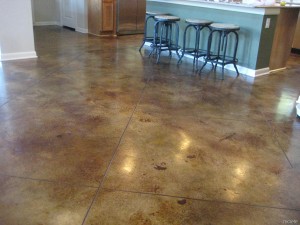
(93, 132)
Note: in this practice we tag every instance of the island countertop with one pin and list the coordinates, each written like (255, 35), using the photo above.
(263, 28)
(232, 5)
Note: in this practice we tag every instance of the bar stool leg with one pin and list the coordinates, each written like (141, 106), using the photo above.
(196, 53)
(220, 33)
(184, 43)
(164, 35)
(145, 32)
(155, 38)
(166, 41)
(169, 38)
(162, 28)
(223, 37)
(208, 56)
(177, 39)
(224, 53)
(235, 50)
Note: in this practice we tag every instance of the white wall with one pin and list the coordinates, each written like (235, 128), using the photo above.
(16, 30)
(45, 12)
(82, 16)
(48, 12)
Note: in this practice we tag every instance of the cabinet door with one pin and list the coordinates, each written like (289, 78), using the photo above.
(108, 15)
(127, 12)
(94, 17)
(141, 13)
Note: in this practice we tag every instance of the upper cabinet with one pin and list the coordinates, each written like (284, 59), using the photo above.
(102, 17)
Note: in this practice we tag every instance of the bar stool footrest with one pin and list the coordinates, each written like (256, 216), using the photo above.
(166, 47)
(222, 60)
(193, 52)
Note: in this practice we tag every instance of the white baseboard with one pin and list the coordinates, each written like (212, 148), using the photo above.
(249, 72)
(276, 70)
(246, 71)
(81, 30)
(57, 23)
(242, 70)
(46, 23)
(18, 55)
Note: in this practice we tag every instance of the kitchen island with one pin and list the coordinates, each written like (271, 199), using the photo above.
(261, 27)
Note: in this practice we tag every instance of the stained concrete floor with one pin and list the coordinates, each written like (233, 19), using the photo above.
(92, 132)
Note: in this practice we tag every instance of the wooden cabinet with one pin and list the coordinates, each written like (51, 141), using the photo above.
(108, 16)
(296, 41)
(283, 38)
(102, 17)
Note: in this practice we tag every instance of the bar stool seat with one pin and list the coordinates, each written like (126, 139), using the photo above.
(166, 18)
(166, 35)
(149, 15)
(224, 26)
(220, 56)
(198, 22)
(195, 51)
(155, 13)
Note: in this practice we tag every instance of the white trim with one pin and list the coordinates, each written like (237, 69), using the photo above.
(75, 13)
(243, 70)
(32, 11)
(225, 6)
(249, 72)
(18, 55)
(261, 72)
(276, 70)
(60, 12)
(46, 23)
(82, 30)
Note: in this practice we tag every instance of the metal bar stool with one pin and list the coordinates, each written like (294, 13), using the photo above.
(221, 57)
(164, 39)
(196, 52)
(149, 15)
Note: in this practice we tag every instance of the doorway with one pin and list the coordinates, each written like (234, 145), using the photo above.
(68, 13)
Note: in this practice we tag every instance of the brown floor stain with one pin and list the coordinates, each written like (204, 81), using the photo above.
(168, 146)
(145, 120)
(139, 218)
(162, 166)
(181, 202)
(227, 137)
(191, 156)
